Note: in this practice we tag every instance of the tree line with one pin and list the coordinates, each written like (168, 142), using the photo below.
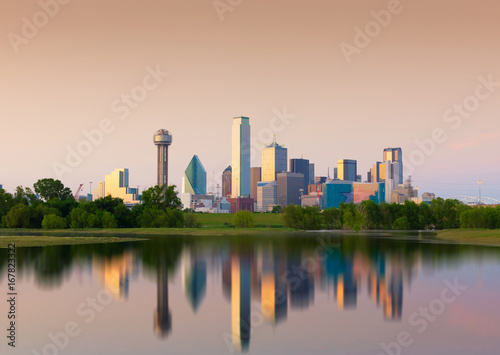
(50, 205)
(440, 214)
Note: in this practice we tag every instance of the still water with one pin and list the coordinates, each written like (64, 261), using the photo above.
(309, 293)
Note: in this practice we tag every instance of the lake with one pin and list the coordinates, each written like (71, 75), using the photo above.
(295, 293)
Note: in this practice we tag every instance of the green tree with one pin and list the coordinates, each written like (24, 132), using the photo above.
(107, 203)
(243, 219)
(52, 221)
(20, 216)
(108, 220)
(277, 209)
(401, 223)
(304, 218)
(371, 217)
(332, 217)
(161, 197)
(6, 202)
(49, 189)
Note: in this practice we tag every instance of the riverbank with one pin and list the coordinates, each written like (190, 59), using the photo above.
(471, 236)
(45, 240)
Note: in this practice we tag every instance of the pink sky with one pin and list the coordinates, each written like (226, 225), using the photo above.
(263, 56)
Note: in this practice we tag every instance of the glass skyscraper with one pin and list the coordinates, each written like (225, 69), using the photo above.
(301, 166)
(240, 179)
(347, 169)
(195, 178)
(274, 161)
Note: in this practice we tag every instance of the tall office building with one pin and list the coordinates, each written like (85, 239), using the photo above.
(394, 158)
(289, 186)
(195, 178)
(393, 170)
(377, 172)
(255, 177)
(311, 173)
(393, 154)
(301, 166)
(240, 183)
(347, 169)
(226, 182)
(274, 161)
(162, 140)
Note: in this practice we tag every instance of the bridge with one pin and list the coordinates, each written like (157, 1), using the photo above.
(474, 200)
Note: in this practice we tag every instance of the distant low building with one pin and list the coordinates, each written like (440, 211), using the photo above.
(337, 192)
(116, 185)
(313, 200)
(241, 204)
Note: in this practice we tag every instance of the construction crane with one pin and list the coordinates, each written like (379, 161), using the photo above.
(77, 195)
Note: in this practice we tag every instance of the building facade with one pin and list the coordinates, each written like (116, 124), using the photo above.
(347, 169)
(240, 177)
(337, 192)
(311, 174)
(116, 185)
(267, 195)
(255, 178)
(195, 178)
(289, 186)
(274, 161)
(301, 166)
(241, 204)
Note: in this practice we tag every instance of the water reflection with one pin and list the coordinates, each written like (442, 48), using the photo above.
(262, 280)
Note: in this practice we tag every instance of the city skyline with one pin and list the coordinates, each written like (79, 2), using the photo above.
(397, 90)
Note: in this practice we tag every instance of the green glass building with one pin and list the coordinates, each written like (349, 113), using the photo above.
(195, 178)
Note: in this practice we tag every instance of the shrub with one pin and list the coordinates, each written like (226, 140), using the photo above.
(191, 221)
(52, 221)
(243, 219)
(298, 217)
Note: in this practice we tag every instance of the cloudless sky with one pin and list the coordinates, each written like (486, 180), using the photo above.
(262, 57)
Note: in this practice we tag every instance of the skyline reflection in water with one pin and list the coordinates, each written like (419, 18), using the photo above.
(269, 287)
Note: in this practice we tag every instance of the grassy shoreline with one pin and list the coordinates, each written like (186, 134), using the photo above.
(471, 236)
(45, 240)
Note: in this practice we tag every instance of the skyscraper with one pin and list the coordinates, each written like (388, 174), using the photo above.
(226, 182)
(255, 177)
(301, 166)
(240, 183)
(274, 161)
(162, 139)
(195, 178)
(347, 169)
(393, 154)
(393, 159)
(311, 173)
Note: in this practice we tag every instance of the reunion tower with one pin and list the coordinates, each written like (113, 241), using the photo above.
(162, 140)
